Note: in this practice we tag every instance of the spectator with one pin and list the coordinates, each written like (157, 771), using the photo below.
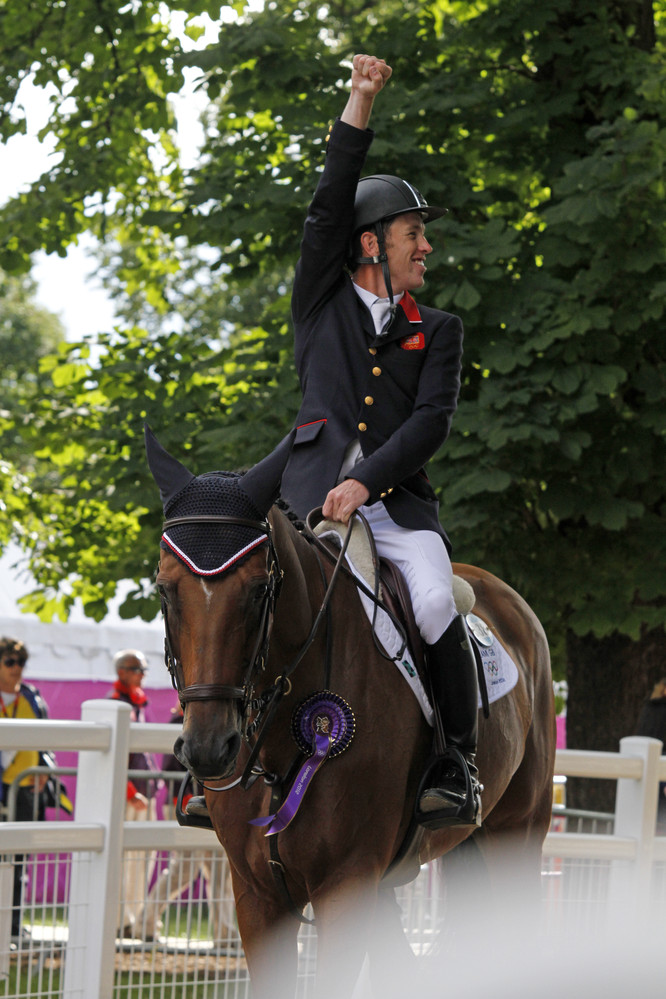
(131, 667)
(652, 723)
(34, 792)
(183, 869)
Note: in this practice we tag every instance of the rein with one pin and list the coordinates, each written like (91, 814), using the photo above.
(359, 583)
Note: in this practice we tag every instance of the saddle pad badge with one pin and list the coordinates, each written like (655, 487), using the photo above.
(480, 630)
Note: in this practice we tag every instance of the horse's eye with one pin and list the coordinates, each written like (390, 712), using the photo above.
(259, 593)
(164, 592)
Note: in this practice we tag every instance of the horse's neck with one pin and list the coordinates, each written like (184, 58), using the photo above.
(302, 583)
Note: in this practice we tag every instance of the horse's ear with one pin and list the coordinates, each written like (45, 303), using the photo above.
(169, 474)
(262, 482)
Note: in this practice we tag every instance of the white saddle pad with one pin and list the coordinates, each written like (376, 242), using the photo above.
(500, 670)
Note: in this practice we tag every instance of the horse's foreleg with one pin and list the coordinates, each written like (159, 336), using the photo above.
(393, 965)
(351, 924)
(343, 916)
(513, 863)
(269, 941)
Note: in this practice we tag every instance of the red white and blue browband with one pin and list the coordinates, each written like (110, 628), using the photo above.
(216, 570)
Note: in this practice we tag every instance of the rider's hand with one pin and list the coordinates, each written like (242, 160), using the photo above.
(346, 497)
(369, 74)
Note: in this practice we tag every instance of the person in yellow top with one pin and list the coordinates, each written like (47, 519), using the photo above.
(35, 792)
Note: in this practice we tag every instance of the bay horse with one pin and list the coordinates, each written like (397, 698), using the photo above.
(248, 645)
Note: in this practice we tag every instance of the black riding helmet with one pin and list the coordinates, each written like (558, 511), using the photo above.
(381, 197)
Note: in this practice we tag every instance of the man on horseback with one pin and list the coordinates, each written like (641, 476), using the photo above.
(380, 378)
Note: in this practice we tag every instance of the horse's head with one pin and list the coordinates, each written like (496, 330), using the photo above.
(217, 578)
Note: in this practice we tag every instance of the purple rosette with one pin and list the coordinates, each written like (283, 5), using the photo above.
(323, 713)
(323, 727)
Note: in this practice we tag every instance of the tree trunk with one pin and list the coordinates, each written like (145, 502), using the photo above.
(639, 14)
(609, 678)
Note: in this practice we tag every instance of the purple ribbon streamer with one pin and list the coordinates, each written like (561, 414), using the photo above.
(288, 809)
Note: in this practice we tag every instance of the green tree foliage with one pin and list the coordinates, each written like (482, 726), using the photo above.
(568, 316)
(108, 71)
(28, 332)
(541, 126)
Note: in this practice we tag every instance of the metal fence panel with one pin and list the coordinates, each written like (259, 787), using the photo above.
(184, 940)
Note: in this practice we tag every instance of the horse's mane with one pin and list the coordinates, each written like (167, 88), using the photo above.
(281, 503)
(291, 515)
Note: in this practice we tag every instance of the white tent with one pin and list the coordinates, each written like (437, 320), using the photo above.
(80, 649)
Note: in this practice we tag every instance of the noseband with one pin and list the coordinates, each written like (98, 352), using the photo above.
(222, 691)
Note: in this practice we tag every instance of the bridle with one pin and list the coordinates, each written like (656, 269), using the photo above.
(267, 702)
(257, 661)
(265, 705)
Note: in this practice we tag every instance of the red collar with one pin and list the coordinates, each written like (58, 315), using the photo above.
(410, 308)
(136, 695)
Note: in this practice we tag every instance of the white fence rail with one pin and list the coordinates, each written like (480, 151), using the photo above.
(638, 769)
(98, 835)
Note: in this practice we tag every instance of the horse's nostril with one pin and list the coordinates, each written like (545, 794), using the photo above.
(178, 749)
(206, 759)
(234, 745)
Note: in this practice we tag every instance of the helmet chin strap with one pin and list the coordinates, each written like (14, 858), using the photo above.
(382, 258)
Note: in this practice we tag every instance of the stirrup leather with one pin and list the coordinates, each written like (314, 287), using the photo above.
(468, 813)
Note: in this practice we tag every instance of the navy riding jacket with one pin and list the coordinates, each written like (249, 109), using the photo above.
(395, 394)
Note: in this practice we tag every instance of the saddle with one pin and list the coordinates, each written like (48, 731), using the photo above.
(398, 601)
(393, 588)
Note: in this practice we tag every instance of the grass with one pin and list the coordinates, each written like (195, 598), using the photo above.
(141, 973)
(181, 990)
(32, 977)
(23, 982)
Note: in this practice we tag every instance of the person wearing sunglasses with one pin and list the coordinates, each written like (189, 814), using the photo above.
(34, 793)
(131, 667)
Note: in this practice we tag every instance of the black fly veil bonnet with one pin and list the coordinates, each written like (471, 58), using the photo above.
(192, 504)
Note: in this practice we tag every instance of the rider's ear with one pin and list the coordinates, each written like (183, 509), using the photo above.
(369, 244)
(262, 482)
(169, 474)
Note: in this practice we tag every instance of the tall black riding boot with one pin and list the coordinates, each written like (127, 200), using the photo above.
(451, 793)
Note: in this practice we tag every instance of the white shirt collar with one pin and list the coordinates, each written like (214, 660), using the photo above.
(369, 297)
(378, 314)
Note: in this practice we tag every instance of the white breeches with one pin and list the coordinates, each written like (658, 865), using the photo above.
(424, 561)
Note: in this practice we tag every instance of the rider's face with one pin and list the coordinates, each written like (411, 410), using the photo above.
(407, 249)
